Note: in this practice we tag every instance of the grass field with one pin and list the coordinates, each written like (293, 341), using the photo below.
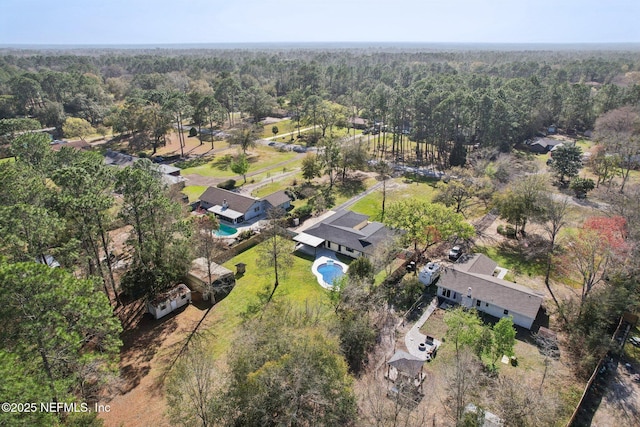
(514, 260)
(299, 289)
(397, 189)
(259, 158)
(194, 191)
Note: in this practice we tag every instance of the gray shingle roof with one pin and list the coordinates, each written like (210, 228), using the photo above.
(486, 288)
(405, 362)
(338, 228)
(237, 202)
(476, 263)
(278, 198)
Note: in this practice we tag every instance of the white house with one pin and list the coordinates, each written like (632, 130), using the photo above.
(470, 283)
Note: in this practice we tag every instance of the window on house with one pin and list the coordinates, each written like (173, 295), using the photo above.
(163, 307)
(486, 304)
(257, 209)
(455, 295)
(506, 312)
(478, 303)
(183, 296)
(348, 249)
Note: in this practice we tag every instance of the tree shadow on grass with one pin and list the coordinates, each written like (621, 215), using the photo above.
(351, 186)
(222, 163)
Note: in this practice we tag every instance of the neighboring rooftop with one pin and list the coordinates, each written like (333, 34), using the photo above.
(278, 198)
(486, 288)
(217, 196)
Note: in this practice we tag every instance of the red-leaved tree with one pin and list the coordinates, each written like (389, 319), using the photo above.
(592, 250)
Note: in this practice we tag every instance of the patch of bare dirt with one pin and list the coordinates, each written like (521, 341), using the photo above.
(620, 405)
(149, 348)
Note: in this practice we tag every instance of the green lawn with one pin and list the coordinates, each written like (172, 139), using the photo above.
(259, 158)
(397, 189)
(276, 185)
(194, 191)
(514, 260)
(299, 290)
(8, 160)
(284, 126)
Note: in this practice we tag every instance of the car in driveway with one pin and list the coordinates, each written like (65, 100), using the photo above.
(455, 253)
(635, 341)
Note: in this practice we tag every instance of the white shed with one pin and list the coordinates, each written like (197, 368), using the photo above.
(169, 301)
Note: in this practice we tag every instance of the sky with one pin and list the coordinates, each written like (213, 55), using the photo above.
(91, 22)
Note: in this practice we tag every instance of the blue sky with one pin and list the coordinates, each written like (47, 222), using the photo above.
(233, 21)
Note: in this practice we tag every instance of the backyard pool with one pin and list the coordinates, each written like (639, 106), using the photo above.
(225, 231)
(330, 272)
(327, 270)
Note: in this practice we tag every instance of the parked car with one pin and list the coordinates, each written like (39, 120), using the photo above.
(635, 341)
(455, 253)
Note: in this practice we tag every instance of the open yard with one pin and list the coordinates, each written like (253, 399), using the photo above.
(528, 373)
(259, 158)
(397, 189)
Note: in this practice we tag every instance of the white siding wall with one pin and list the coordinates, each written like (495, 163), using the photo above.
(342, 249)
(251, 212)
(493, 310)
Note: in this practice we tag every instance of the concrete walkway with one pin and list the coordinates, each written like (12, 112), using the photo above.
(414, 337)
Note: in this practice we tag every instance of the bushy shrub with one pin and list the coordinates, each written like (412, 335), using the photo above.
(191, 163)
(229, 184)
(508, 231)
(246, 234)
(302, 211)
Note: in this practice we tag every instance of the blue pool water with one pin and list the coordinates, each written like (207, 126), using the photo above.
(225, 231)
(330, 272)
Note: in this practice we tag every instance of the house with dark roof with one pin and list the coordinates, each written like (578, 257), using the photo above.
(470, 283)
(543, 145)
(346, 232)
(237, 208)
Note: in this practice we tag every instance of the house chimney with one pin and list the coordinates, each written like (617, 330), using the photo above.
(469, 292)
(225, 205)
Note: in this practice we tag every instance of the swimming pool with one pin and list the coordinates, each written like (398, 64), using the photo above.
(225, 231)
(330, 272)
(327, 270)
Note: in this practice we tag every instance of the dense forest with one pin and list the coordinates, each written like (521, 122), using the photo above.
(438, 98)
(420, 107)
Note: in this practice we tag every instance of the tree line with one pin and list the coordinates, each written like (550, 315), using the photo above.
(431, 102)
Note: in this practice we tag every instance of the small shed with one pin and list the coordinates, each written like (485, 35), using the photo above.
(222, 279)
(169, 301)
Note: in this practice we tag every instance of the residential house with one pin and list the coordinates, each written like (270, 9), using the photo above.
(170, 175)
(346, 232)
(357, 123)
(470, 283)
(543, 145)
(237, 208)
